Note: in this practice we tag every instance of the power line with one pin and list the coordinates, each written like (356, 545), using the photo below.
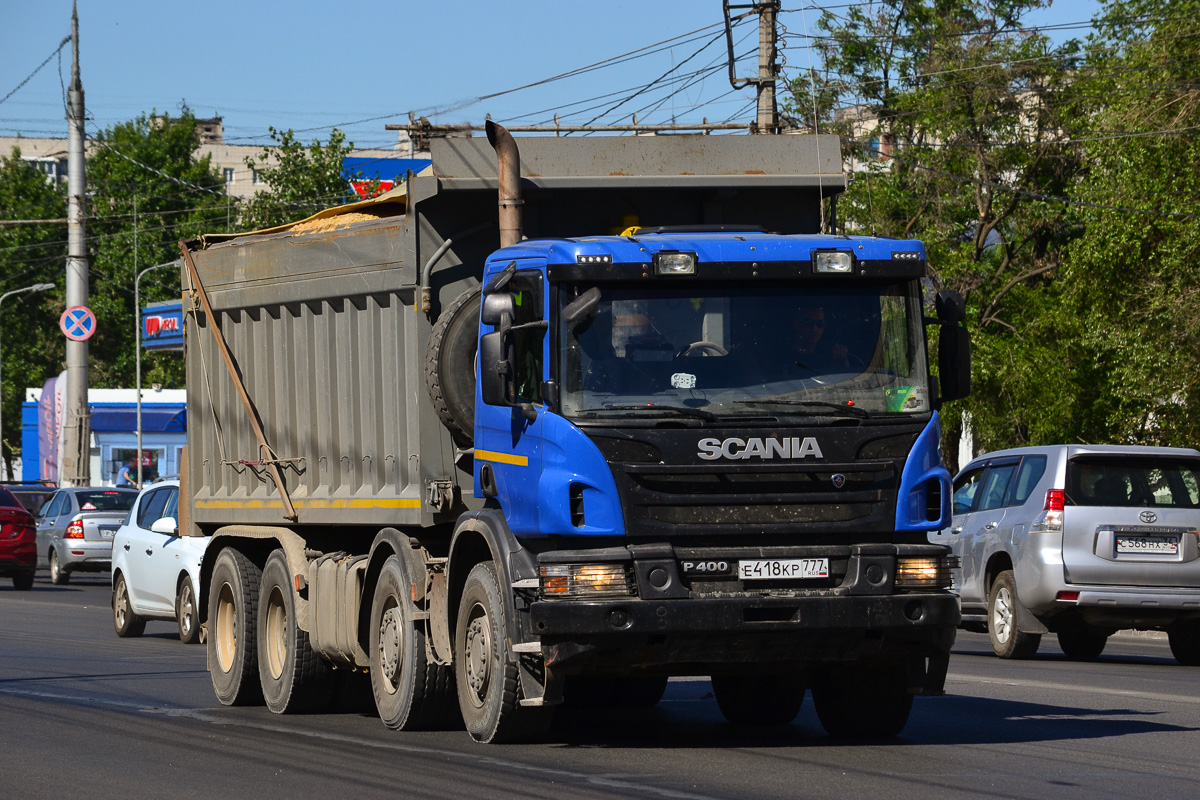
(29, 77)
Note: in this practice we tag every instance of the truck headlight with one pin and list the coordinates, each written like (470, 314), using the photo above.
(832, 261)
(587, 580)
(670, 263)
(923, 573)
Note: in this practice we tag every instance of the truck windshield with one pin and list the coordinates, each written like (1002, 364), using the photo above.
(769, 349)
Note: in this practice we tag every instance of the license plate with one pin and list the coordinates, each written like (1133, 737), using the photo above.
(783, 569)
(1168, 545)
(108, 533)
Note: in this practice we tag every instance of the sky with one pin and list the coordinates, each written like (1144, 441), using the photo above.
(361, 64)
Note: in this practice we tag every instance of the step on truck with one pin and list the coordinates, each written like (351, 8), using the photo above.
(558, 419)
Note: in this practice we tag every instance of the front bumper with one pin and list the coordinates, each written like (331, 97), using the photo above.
(743, 629)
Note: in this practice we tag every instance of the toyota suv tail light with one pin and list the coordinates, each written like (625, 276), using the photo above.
(1051, 518)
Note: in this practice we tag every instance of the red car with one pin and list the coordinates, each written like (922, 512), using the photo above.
(18, 541)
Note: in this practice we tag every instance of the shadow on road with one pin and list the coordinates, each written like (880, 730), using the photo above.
(691, 719)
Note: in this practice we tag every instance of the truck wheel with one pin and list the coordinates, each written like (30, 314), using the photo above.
(1080, 643)
(1008, 640)
(1184, 638)
(294, 678)
(868, 700)
(185, 613)
(759, 699)
(232, 617)
(410, 694)
(127, 624)
(489, 689)
(58, 575)
(450, 365)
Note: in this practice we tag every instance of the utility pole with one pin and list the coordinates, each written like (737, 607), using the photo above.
(768, 115)
(767, 120)
(76, 444)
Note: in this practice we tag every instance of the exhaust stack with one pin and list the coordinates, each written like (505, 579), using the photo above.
(508, 163)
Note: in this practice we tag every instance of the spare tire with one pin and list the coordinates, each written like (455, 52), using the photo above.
(450, 365)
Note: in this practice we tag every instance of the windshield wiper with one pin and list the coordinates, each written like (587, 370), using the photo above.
(698, 413)
(853, 411)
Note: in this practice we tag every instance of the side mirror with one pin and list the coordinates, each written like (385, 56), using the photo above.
(954, 361)
(166, 525)
(950, 306)
(494, 370)
(496, 308)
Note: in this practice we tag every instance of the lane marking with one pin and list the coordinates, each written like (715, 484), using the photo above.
(1068, 687)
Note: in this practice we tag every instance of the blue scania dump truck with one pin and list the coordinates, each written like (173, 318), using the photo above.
(665, 428)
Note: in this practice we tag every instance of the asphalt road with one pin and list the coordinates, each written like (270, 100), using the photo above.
(83, 713)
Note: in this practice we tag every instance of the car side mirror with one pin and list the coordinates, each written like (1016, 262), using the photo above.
(167, 525)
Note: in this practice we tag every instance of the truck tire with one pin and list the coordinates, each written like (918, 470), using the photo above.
(410, 693)
(489, 688)
(294, 679)
(864, 700)
(450, 365)
(1004, 630)
(232, 620)
(1081, 643)
(127, 624)
(759, 699)
(1184, 638)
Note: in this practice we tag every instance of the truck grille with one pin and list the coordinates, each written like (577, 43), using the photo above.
(665, 500)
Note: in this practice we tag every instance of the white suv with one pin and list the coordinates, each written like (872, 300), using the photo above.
(1081, 541)
(155, 571)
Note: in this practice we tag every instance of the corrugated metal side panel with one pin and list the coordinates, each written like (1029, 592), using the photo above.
(333, 371)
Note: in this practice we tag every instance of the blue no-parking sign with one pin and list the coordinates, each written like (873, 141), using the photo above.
(78, 323)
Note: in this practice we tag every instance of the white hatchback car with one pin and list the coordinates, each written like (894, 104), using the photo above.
(155, 571)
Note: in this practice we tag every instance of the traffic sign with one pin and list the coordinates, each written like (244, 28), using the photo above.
(78, 323)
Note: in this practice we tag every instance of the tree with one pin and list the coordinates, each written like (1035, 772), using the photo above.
(32, 348)
(148, 191)
(1134, 272)
(300, 181)
(956, 116)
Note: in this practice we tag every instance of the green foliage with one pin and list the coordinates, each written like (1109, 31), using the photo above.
(300, 181)
(148, 191)
(1135, 277)
(32, 347)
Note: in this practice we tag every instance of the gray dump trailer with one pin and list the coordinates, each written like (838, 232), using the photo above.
(359, 529)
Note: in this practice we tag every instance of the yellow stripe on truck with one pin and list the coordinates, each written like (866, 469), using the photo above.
(502, 458)
(314, 504)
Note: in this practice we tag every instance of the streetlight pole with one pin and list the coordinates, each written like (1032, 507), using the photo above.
(137, 314)
(37, 287)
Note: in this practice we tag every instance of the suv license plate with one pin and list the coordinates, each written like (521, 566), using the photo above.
(1167, 545)
(783, 569)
